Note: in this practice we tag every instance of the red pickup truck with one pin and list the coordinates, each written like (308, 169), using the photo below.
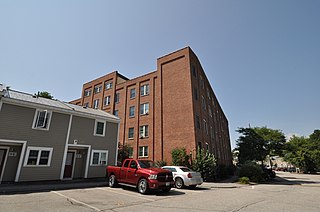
(141, 174)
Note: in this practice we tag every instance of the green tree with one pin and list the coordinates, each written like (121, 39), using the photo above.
(44, 94)
(123, 152)
(255, 144)
(180, 157)
(205, 163)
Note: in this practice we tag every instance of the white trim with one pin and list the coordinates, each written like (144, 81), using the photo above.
(66, 148)
(99, 151)
(40, 149)
(95, 127)
(4, 161)
(24, 144)
(88, 156)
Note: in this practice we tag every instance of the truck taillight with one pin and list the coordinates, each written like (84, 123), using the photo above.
(189, 175)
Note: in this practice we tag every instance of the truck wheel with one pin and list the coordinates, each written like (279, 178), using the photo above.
(112, 181)
(178, 183)
(143, 186)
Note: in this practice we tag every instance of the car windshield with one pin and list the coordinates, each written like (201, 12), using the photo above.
(185, 169)
(146, 164)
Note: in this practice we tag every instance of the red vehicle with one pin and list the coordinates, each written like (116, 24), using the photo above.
(141, 174)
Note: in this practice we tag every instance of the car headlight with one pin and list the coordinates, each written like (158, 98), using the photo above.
(153, 177)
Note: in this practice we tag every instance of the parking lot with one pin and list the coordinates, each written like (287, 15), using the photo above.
(288, 192)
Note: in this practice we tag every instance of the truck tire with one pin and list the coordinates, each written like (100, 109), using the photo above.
(143, 186)
(178, 182)
(112, 181)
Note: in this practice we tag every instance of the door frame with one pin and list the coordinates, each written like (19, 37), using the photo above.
(4, 161)
(73, 163)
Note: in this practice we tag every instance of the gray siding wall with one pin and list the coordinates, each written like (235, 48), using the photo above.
(11, 167)
(16, 124)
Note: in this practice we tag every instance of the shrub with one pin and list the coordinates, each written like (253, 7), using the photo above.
(251, 170)
(244, 180)
(205, 163)
(180, 157)
(160, 163)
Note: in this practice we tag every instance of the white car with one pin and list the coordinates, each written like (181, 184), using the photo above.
(183, 176)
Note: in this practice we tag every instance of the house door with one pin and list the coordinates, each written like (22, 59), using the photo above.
(68, 169)
(3, 153)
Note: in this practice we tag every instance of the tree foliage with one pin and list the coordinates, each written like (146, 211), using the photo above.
(256, 143)
(123, 152)
(180, 157)
(205, 163)
(44, 94)
(304, 152)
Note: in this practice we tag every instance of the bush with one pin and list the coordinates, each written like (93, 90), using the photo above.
(224, 171)
(205, 163)
(160, 163)
(180, 157)
(244, 180)
(253, 171)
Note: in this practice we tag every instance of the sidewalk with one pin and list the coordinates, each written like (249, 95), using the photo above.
(45, 186)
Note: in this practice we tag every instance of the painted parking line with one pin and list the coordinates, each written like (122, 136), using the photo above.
(124, 193)
(77, 201)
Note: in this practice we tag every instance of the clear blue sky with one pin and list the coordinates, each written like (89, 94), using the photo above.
(262, 57)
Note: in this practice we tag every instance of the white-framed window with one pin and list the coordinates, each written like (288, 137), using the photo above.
(108, 85)
(143, 151)
(107, 100)
(38, 156)
(132, 93)
(96, 103)
(131, 111)
(97, 89)
(117, 98)
(99, 128)
(144, 109)
(131, 133)
(42, 119)
(99, 157)
(144, 131)
(145, 90)
(87, 92)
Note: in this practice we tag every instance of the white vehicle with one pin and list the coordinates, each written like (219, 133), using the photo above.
(183, 176)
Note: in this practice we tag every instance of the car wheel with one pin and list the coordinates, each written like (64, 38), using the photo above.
(143, 186)
(178, 183)
(166, 190)
(112, 181)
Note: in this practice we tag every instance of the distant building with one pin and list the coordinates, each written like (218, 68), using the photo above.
(44, 139)
(174, 106)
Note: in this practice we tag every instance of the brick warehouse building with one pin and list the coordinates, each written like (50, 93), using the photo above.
(173, 106)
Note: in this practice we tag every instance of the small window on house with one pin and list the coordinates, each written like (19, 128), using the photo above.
(144, 109)
(132, 93)
(106, 100)
(144, 131)
(131, 111)
(100, 128)
(42, 119)
(145, 90)
(96, 103)
(87, 92)
(131, 133)
(38, 156)
(97, 89)
(117, 98)
(116, 113)
(99, 157)
(143, 151)
(108, 85)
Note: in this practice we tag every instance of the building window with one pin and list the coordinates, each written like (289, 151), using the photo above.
(144, 109)
(99, 128)
(117, 98)
(108, 85)
(198, 121)
(145, 90)
(210, 111)
(132, 93)
(203, 103)
(195, 91)
(194, 71)
(107, 100)
(96, 103)
(202, 82)
(87, 92)
(97, 89)
(42, 120)
(86, 104)
(208, 93)
(116, 113)
(212, 133)
(144, 131)
(205, 126)
(143, 151)
(38, 156)
(131, 111)
(99, 157)
(130, 152)
(131, 133)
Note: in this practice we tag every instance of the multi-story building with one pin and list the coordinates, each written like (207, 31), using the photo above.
(174, 106)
